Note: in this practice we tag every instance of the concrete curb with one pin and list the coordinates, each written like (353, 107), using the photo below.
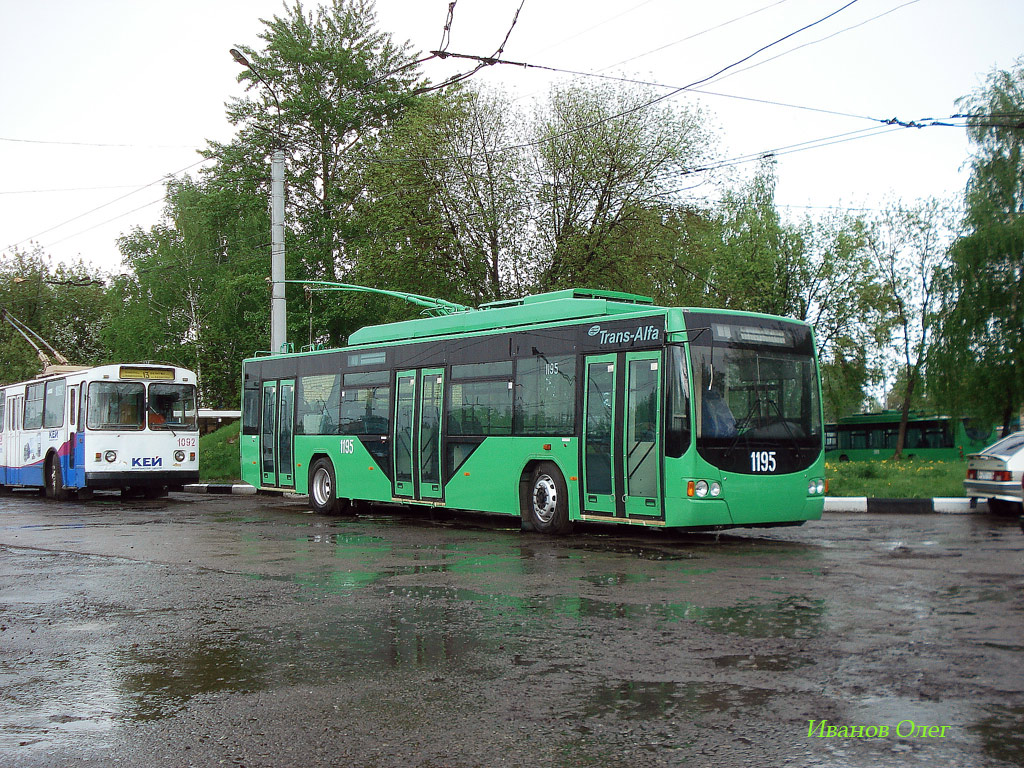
(944, 506)
(236, 489)
(954, 506)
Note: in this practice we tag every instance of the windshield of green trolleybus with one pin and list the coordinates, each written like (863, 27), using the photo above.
(756, 396)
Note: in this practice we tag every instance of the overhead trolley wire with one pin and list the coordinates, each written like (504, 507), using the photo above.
(104, 205)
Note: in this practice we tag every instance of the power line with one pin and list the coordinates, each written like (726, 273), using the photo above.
(65, 189)
(94, 144)
(101, 207)
(114, 218)
(649, 103)
(484, 61)
(695, 35)
(823, 39)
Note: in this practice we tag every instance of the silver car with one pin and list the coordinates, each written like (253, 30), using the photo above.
(996, 474)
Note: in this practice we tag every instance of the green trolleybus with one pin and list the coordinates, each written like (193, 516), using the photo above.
(561, 407)
(872, 436)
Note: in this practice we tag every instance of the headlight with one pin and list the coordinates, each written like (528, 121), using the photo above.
(701, 488)
(179, 456)
(716, 489)
(821, 486)
(812, 487)
(110, 456)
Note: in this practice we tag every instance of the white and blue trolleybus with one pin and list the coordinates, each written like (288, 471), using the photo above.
(132, 427)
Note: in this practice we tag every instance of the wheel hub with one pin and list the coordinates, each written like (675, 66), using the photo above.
(545, 498)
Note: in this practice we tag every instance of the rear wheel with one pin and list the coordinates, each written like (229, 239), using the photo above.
(1004, 507)
(323, 491)
(548, 502)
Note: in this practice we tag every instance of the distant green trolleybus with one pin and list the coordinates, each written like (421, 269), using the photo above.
(578, 405)
(872, 436)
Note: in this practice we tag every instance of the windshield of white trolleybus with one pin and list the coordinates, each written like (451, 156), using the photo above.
(172, 407)
(756, 395)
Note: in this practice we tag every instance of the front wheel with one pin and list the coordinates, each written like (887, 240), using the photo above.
(322, 490)
(55, 481)
(548, 503)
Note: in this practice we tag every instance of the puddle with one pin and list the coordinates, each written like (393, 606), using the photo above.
(766, 663)
(157, 681)
(790, 617)
(652, 701)
(617, 579)
(1001, 735)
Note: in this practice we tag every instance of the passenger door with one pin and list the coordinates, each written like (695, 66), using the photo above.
(277, 463)
(416, 434)
(4, 427)
(622, 439)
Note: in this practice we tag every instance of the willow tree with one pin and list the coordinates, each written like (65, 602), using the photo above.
(976, 365)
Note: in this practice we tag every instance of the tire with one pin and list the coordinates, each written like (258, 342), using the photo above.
(55, 481)
(323, 491)
(547, 501)
(1004, 507)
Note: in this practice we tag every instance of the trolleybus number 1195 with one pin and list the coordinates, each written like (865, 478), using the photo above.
(762, 461)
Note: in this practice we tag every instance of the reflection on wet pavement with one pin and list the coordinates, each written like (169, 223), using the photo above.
(620, 650)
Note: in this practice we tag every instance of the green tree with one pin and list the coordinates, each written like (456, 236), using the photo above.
(196, 294)
(909, 247)
(758, 261)
(841, 294)
(976, 364)
(332, 81)
(65, 304)
(444, 209)
(607, 169)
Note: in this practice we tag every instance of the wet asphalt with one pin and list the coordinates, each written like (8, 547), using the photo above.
(244, 631)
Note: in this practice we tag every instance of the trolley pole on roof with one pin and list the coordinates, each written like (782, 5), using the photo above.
(278, 306)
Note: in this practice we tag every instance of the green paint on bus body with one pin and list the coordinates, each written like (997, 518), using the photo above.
(592, 405)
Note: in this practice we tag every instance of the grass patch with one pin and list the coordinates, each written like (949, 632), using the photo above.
(218, 456)
(906, 479)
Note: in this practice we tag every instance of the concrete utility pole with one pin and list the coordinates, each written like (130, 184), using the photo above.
(278, 316)
(278, 306)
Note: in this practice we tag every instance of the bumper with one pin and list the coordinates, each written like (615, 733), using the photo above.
(139, 479)
(982, 489)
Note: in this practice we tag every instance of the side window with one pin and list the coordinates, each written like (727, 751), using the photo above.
(480, 399)
(34, 406)
(251, 412)
(318, 403)
(365, 403)
(677, 428)
(53, 410)
(545, 388)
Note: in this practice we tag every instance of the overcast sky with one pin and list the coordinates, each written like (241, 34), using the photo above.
(101, 99)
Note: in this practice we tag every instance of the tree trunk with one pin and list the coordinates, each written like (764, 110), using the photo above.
(901, 436)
